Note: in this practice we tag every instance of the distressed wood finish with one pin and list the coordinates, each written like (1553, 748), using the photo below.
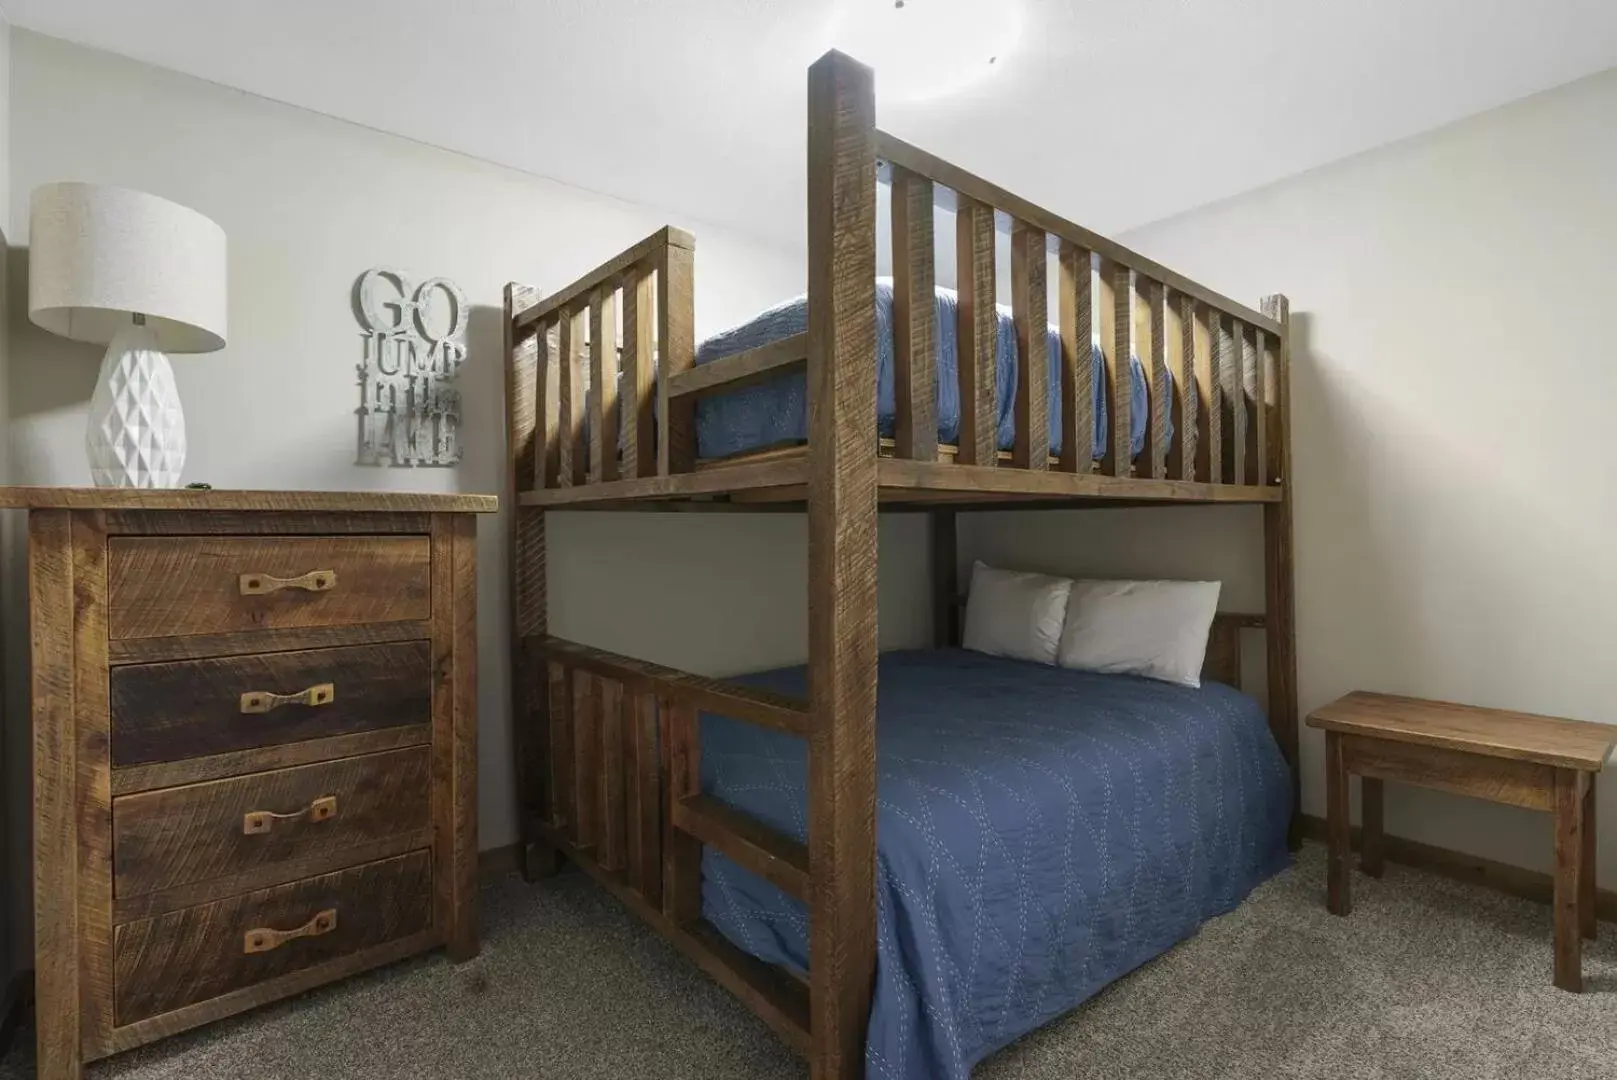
(1178, 354)
(174, 960)
(1279, 574)
(682, 850)
(1029, 298)
(232, 501)
(603, 395)
(1209, 346)
(976, 334)
(647, 251)
(742, 369)
(915, 365)
(571, 393)
(170, 712)
(454, 720)
(778, 859)
(180, 836)
(1121, 350)
(158, 650)
(130, 780)
(1539, 762)
(842, 543)
(1075, 309)
(174, 586)
(639, 373)
(1152, 347)
(676, 340)
(247, 522)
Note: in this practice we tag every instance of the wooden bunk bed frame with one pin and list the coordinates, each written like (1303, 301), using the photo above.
(607, 746)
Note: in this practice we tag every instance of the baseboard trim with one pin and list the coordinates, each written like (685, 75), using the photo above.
(1472, 869)
(14, 1002)
(496, 863)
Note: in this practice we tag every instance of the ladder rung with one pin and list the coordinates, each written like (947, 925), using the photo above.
(768, 853)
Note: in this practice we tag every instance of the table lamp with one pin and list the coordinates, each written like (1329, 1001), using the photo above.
(147, 277)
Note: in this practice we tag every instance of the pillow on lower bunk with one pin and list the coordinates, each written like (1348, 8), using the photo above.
(1015, 614)
(1153, 628)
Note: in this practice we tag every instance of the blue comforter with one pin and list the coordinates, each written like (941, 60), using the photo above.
(1041, 832)
(776, 412)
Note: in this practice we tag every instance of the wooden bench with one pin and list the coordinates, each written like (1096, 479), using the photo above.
(1540, 762)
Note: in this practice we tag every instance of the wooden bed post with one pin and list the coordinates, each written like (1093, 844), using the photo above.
(945, 542)
(841, 561)
(530, 698)
(1280, 579)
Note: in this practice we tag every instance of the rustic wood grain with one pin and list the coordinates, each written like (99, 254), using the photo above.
(250, 522)
(1105, 307)
(1279, 572)
(1122, 350)
(158, 650)
(742, 369)
(611, 811)
(842, 541)
(1588, 892)
(725, 479)
(945, 556)
(562, 766)
(1259, 408)
(682, 852)
(180, 836)
(968, 480)
(676, 344)
(1209, 347)
(1569, 789)
(184, 957)
(177, 585)
(523, 364)
(1029, 300)
(773, 856)
(644, 796)
(170, 712)
(1235, 419)
(1177, 347)
(338, 502)
(1151, 338)
(976, 335)
(1252, 407)
(160, 774)
(586, 761)
(1075, 310)
(607, 273)
(571, 398)
(639, 372)
(1503, 780)
(603, 397)
(455, 812)
(915, 363)
(1339, 885)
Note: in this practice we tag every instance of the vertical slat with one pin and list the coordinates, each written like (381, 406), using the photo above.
(682, 853)
(639, 374)
(1280, 612)
(562, 766)
(458, 832)
(1029, 304)
(1120, 368)
(1568, 851)
(1210, 389)
(570, 350)
(644, 794)
(1338, 882)
(93, 775)
(915, 364)
(1074, 303)
(1270, 356)
(842, 549)
(1106, 317)
(1252, 393)
(977, 335)
(1153, 357)
(586, 760)
(547, 462)
(604, 415)
(676, 344)
(1234, 367)
(609, 710)
(1181, 343)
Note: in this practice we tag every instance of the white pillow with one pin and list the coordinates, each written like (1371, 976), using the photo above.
(1014, 614)
(1153, 628)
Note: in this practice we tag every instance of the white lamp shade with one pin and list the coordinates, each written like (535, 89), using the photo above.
(99, 255)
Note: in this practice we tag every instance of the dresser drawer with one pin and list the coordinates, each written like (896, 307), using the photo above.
(170, 586)
(193, 708)
(180, 836)
(174, 960)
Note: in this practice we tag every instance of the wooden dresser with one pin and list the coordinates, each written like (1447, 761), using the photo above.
(254, 749)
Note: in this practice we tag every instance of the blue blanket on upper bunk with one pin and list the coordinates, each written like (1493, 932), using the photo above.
(1040, 833)
(776, 412)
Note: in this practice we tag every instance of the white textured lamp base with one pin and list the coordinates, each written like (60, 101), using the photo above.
(137, 429)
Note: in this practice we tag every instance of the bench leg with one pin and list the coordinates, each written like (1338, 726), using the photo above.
(1338, 826)
(1586, 871)
(1371, 858)
(1570, 794)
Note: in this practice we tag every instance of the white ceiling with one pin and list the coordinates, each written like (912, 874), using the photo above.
(1112, 112)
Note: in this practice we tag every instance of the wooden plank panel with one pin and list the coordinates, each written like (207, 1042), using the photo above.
(547, 410)
(614, 826)
(604, 414)
(682, 853)
(1029, 300)
(842, 541)
(456, 814)
(915, 364)
(977, 334)
(138, 778)
(93, 772)
(1177, 350)
(562, 766)
(586, 760)
(742, 369)
(1120, 368)
(643, 796)
(1503, 780)
(571, 394)
(1075, 306)
(1152, 344)
(639, 373)
(772, 855)
(676, 344)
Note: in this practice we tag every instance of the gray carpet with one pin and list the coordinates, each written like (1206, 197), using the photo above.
(1428, 979)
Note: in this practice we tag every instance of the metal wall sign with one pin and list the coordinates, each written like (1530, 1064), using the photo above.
(415, 343)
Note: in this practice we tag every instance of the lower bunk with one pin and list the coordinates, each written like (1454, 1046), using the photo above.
(1040, 832)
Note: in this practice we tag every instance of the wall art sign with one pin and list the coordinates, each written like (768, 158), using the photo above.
(415, 343)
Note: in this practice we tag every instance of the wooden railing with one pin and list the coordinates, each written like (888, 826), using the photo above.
(1225, 359)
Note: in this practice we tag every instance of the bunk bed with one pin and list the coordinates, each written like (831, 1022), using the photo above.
(647, 777)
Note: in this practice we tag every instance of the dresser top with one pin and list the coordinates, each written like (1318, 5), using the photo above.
(341, 502)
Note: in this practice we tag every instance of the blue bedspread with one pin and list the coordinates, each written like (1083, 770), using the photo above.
(1041, 832)
(776, 412)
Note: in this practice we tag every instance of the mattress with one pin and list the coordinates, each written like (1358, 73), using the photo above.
(776, 412)
(1040, 833)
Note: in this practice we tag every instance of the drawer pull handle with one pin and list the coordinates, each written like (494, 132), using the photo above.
(262, 821)
(313, 581)
(262, 701)
(264, 939)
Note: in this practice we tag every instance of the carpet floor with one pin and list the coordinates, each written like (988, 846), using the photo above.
(1428, 980)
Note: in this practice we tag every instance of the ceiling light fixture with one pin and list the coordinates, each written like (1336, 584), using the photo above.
(923, 50)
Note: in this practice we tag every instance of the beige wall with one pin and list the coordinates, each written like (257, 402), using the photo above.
(308, 204)
(1452, 300)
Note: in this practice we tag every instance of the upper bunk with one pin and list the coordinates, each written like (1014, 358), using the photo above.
(976, 402)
